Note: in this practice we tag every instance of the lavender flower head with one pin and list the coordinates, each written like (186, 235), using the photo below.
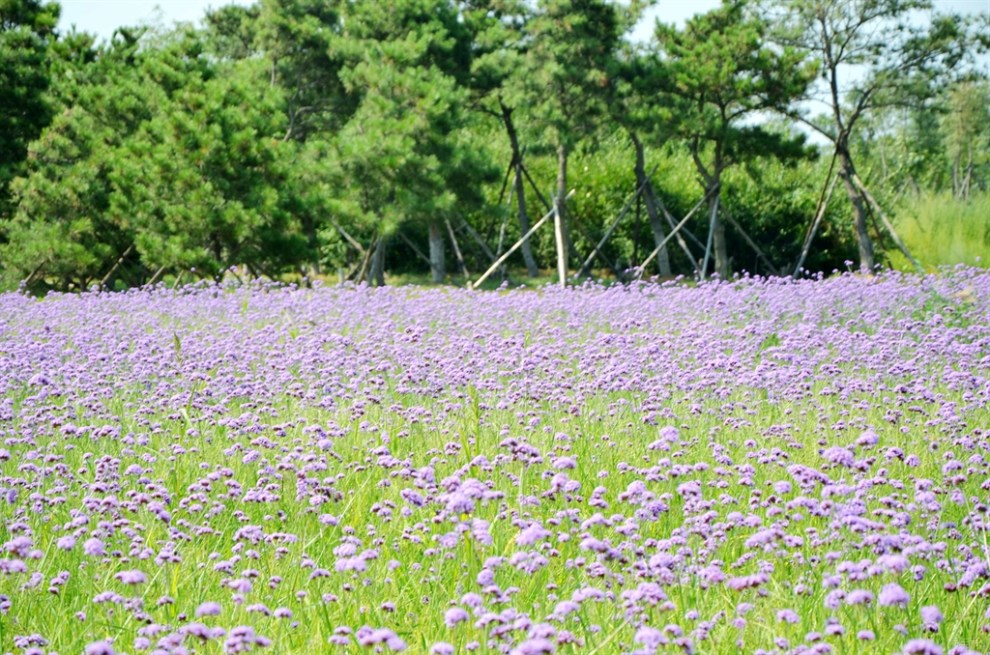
(893, 594)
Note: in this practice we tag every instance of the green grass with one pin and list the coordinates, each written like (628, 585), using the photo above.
(940, 230)
(607, 435)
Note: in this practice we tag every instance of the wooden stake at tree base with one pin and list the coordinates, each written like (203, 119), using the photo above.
(515, 246)
(558, 233)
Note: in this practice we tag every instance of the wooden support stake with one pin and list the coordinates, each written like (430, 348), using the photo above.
(558, 235)
(515, 246)
(680, 240)
(113, 269)
(673, 232)
(711, 237)
(886, 223)
(826, 194)
(37, 269)
(457, 249)
(505, 181)
(819, 215)
(362, 269)
(347, 237)
(536, 189)
(750, 243)
(479, 240)
(611, 228)
(158, 274)
(414, 248)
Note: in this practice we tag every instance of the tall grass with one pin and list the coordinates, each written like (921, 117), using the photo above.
(941, 230)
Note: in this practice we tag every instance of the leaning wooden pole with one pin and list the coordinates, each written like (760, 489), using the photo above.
(505, 181)
(347, 237)
(479, 240)
(819, 215)
(535, 188)
(826, 194)
(611, 228)
(558, 235)
(711, 238)
(457, 249)
(886, 223)
(672, 222)
(515, 247)
(674, 231)
(749, 242)
(116, 265)
(30, 278)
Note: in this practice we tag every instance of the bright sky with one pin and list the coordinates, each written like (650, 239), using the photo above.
(102, 17)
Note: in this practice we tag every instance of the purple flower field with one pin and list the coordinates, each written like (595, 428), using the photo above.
(753, 467)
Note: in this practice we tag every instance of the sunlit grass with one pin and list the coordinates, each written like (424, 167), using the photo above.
(940, 230)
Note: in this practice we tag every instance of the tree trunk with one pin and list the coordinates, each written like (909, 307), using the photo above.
(860, 213)
(312, 243)
(558, 233)
(437, 265)
(461, 264)
(718, 238)
(663, 257)
(560, 207)
(376, 276)
(517, 165)
(968, 178)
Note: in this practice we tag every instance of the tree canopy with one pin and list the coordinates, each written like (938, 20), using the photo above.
(350, 138)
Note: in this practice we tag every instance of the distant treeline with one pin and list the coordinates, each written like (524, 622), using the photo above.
(359, 137)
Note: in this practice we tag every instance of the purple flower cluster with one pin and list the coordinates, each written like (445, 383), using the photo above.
(760, 465)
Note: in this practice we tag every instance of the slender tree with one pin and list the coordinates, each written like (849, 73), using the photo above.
(565, 78)
(723, 73)
(61, 230)
(27, 33)
(965, 132)
(499, 34)
(873, 54)
(641, 104)
(402, 149)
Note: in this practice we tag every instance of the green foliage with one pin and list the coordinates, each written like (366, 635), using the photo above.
(297, 37)
(173, 161)
(564, 77)
(903, 62)
(721, 72)
(219, 203)
(405, 140)
(941, 230)
(26, 37)
(289, 136)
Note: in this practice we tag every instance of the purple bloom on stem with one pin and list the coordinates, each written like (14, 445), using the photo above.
(100, 648)
(840, 456)
(649, 637)
(788, 616)
(859, 597)
(921, 647)
(538, 646)
(94, 547)
(132, 577)
(454, 615)
(931, 615)
(208, 608)
(243, 639)
(893, 594)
